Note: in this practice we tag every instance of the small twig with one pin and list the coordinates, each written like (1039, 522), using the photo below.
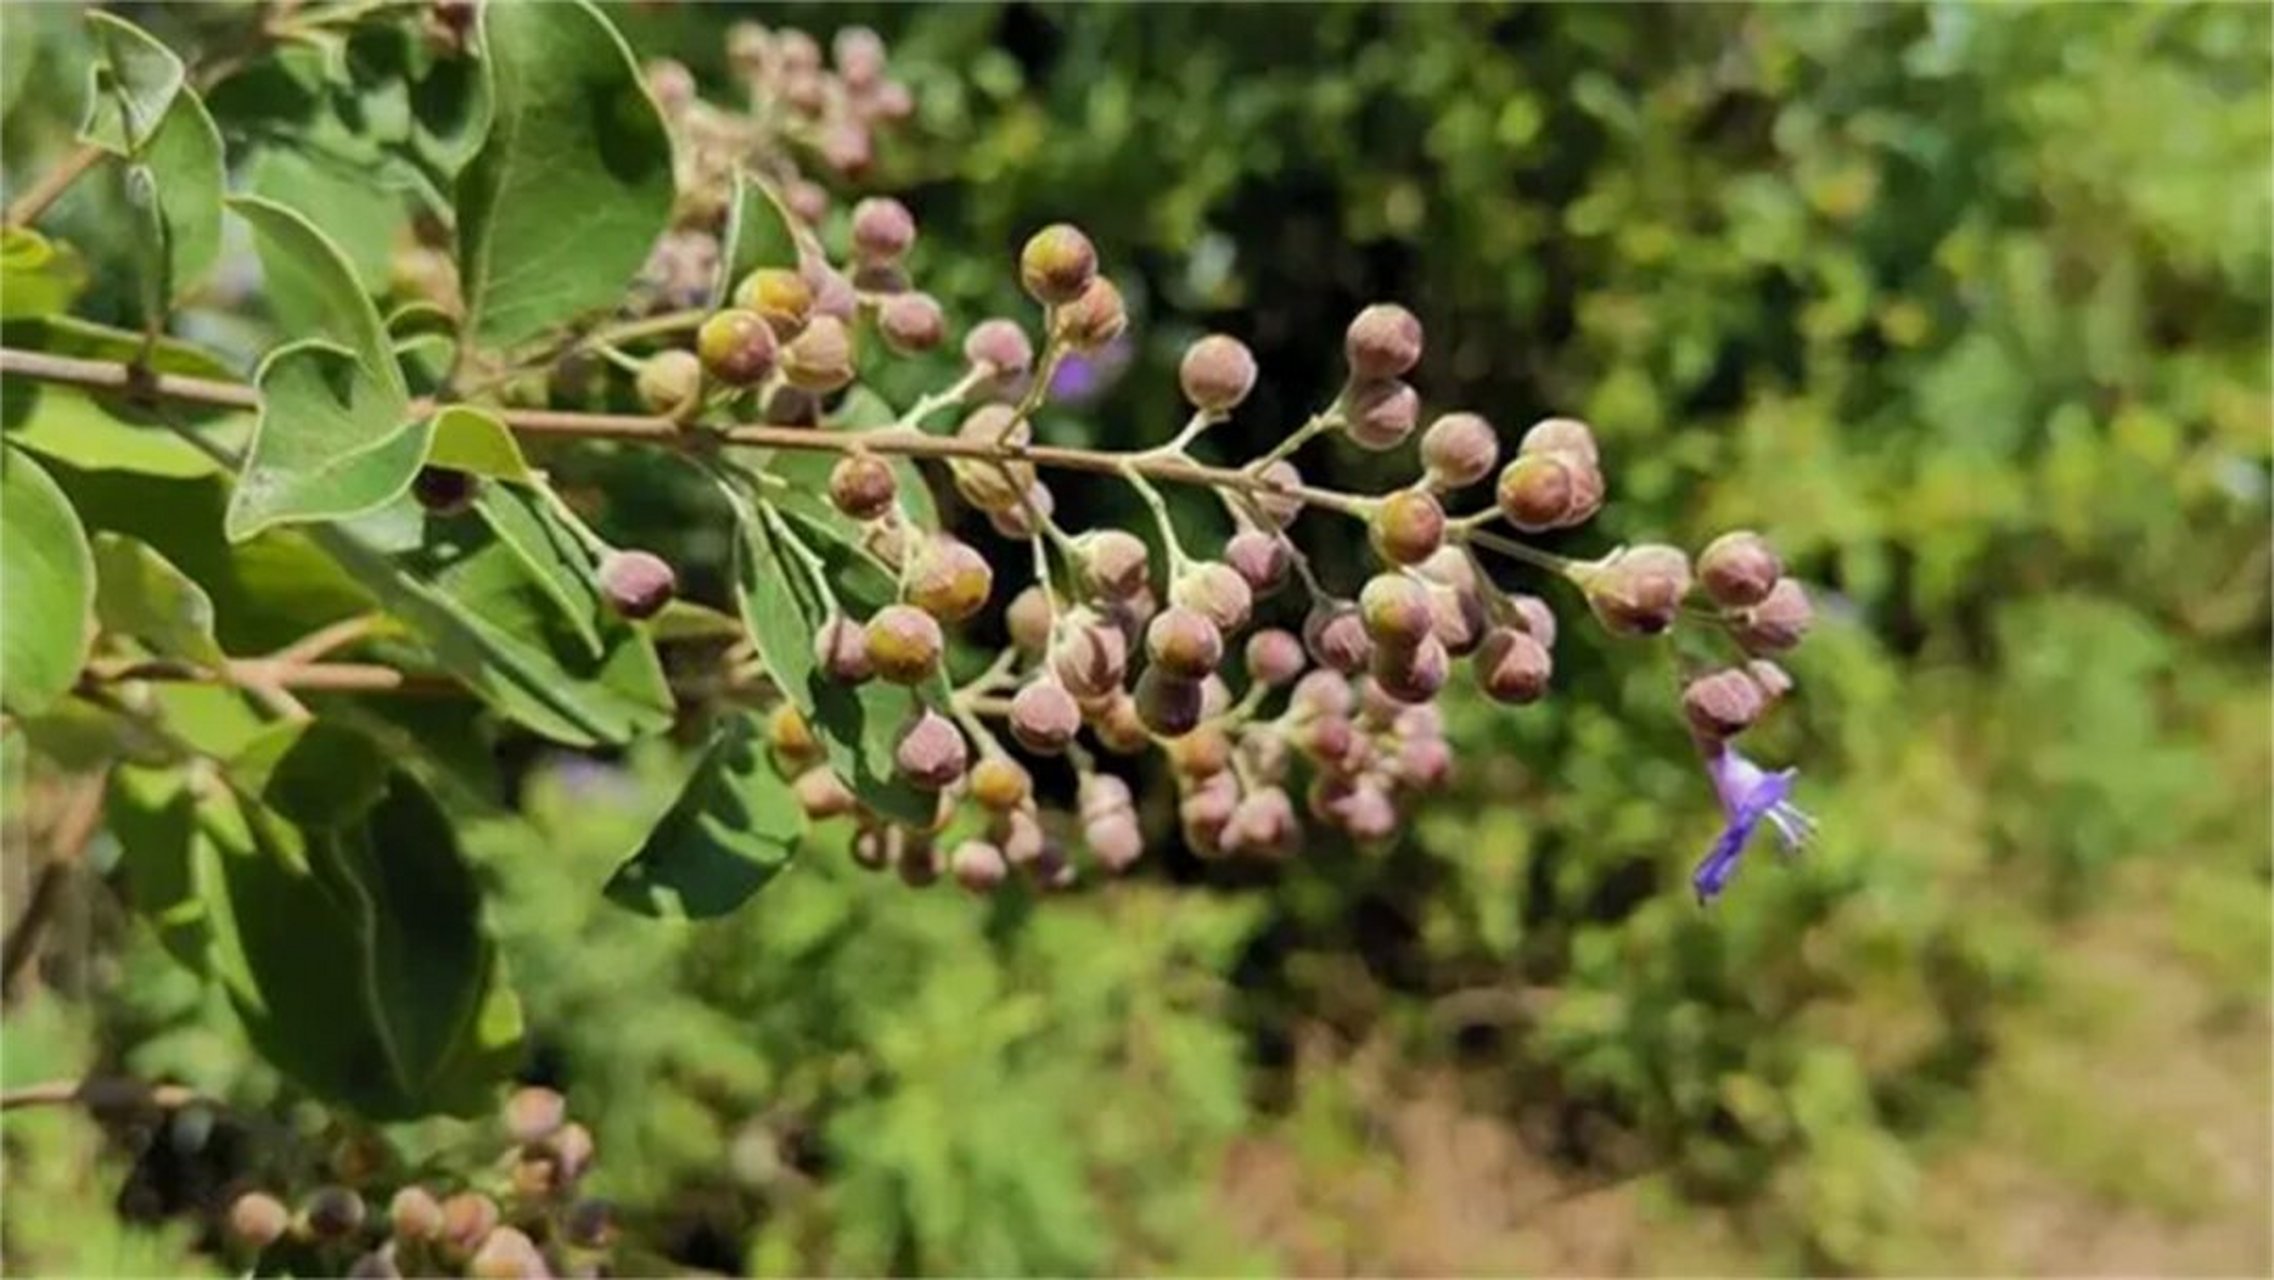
(101, 1093)
(66, 840)
(51, 185)
(330, 638)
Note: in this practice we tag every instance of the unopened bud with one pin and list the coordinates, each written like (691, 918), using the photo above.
(862, 486)
(1536, 619)
(875, 847)
(1029, 619)
(507, 1254)
(1044, 717)
(443, 491)
(1057, 264)
(1090, 657)
(258, 1219)
(1723, 703)
(822, 795)
(931, 752)
(1000, 784)
(1424, 764)
(534, 1113)
(1276, 501)
(904, 644)
(1384, 341)
(791, 737)
(808, 201)
(1378, 416)
(821, 358)
(1217, 592)
(1217, 373)
(950, 580)
(882, 229)
(1396, 611)
(1779, 621)
(1170, 705)
(332, 1213)
(467, 1219)
(979, 866)
(670, 382)
(911, 322)
(737, 347)
(1512, 667)
(789, 406)
(1739, 569)
(1408, 527)
(1183, 642)
(1115, 841)
(1457, 618)
(637, 584)
(991, 486)
(782, 298)
(1323, 693)
(841, 650)
(1540, 491)
(1115, 563)
(1119, 727)
(1261, 559)
(1262, 823)
(1335, 635)
(1774, 680)
(1094, 319)
(1274, 657)
(1458, 450)
(1412, 675)
(1562, 435)
(1639, 591)
(1000, 345)
(1028, 518)
(833, 294)
(1202, 753)
(848, 147)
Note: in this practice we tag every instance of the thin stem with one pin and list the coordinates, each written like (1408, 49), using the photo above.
(1514, 550)
(1200, 421)
(330, 639)
(1152, 496)
(274, 673)
(101, 1093)
(1319, 425)
(67, 840)
(51, 185)
(913, 419)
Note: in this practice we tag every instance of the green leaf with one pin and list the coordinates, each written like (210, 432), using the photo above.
(135, 79)
(313, 290)
(140, 593)
(91, 430)
(38, 276)
(152, 813)
(334, 440)
(734, 827)
(759, 233)
(185, 163)
(494, 613)
(559, 209)
(48, 577)
(339, 200)
(469, 439)
(783, 609)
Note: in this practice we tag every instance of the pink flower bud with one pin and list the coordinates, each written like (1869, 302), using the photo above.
(904, 644)
(1536, 619)
(1094, 319)
(1261, 559)
(882, 229)
(1512, 667)
(1025, 520)
(1458, 450)
(1378, 416)
(1384, 341)
(911, 322)
(737, 347)
(1562, 435)
(841, 650)
(821, 358)
(1044, 717)
(1739, 569)
(1217, 592)
(1336, 637)
(1277, 503)
(1090, 657)
(859, 55)
(949, 580)
(1274, 657)
(931, 752)
(999, 345)
(670, 382)
(1412, 675)
(1722, 704)
(1115, 841)
(1396, 611)
(1639, 591)
(1115, 564)
(1184, 642)
(1217, 373)
(863, 486)
(822, 796)
(258, 1220)
(1779, 621)
(1323, 693)
(1424, 764)
(979, 866)
(637, 584)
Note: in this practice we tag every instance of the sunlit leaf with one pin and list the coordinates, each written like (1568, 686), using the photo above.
(734, 827)
(48, 577)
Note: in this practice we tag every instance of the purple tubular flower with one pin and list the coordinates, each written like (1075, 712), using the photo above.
(1749, 795)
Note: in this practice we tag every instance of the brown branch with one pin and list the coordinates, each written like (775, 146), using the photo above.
(100, 1093)
(66, 840)
(275, 673)
(51, 185)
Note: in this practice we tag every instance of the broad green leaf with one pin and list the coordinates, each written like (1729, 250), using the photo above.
(185, 162)
(334, 440)
(684, 619)
(140, 593)
(338, 198)
(38, 276)
(47, 575)
(313, 290)
(135, 79)
(559, 209)
(152, 813)
(734, 827)
(499, 624)
(470, 439)
(759, 233)
(783, 610)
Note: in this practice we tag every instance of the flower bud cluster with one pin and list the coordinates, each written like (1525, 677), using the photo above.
(527, 1219)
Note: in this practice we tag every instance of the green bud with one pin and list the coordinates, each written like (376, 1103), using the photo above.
(670, 382)
(1057, 265)
(737, 347)
(904, 644)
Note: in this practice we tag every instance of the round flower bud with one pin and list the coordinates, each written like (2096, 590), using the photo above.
(917, 859)
(1562, 435)
(1458, 450)
(791, 737)
(1412, 675)
(1216, 592)
(737, 347)
(377, 1264)
(1120, 729)
(875, 847)
(1185, 643)
(1018, 834)
(589, 1223)
(848, 147)
(1396, 611)
(1057, 264)
(534, 1114)
(1090, 657)
(1277, 504)
(882, 229)
(1536, 619)
(414, 1214)
(1215, 697)
(1384, 341)
(1322, 693)
(1540, 491)
(1207, 806)
(821, 358)
(1263, 823)
(904, 644)
(1217, 373)
(911, 322)
(1639, 591)
(949, 580)
(931, 752)
(862, 486)
(822, 795)
(332, 1213)
(1000, 345)
(467, 1219)
(991, 486)
(571, 1150)
(1102, 795)
(1116, 842)
(833, 294)
(1115, 563)
(1327, 739)
(1378, 416)
(1774, 680)
(859, 55)
(782, 298)
(1170, 705)
(1336, 637)
(1779, 621)
(1000, 784)
(1424, 764)
(258, 1219)
(796, 51)
(1094, 319)
(1408, 527)
(670, 382)
(1512, 666)
(443, 491)
(1025, 520)
(1739, 569)
(1366, 812)
(979, 866)
(1261, 559)
(1722, 704)
(1029, 619)
(670, 83)
(1274, 657)
(1044, 717)
(808, 201)
(1457, 618)
(637, 584)
(507, 1254)
(1202, 753)
(790, 407)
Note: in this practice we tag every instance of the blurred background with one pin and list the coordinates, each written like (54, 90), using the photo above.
(1967, 308)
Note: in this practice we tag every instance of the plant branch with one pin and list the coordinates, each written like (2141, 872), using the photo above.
(51, 185)
(67, 839)
(100, 1093)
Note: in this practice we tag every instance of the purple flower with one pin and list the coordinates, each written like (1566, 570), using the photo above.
(1749, 794)
(1083, 378)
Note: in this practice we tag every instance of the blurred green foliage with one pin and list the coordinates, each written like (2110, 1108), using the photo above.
(1965, 307)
